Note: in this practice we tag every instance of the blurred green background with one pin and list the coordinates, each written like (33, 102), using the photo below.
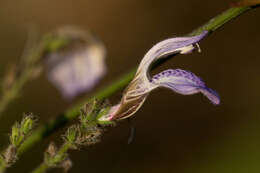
(174, 133)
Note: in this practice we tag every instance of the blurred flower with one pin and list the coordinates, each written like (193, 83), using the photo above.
(79, 65)
(180, 81)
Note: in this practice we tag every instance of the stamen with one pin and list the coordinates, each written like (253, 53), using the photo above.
(187, 49)
(198, 47)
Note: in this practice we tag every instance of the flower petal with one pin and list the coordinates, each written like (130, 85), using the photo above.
(184, 82)
(168, 47)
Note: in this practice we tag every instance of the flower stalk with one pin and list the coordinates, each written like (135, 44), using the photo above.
(87, 132)
(73, 112)
(29, 68)
(19, 133)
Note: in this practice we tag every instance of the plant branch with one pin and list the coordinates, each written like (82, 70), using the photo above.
(28, 69)
(218, 21)
(10, 93)
(19, 133)
(73, 112)
(41, 169)
(53, 159)
(85, 133)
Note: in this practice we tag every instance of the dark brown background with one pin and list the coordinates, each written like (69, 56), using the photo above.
(174, 133)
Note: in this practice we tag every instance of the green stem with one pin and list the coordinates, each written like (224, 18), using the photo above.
(8, 95)
(43, 167)
(218, 21)
(3, 166)
(64, 149)
(55, 160)
(73, 112)
(117, 85)
(29, 64)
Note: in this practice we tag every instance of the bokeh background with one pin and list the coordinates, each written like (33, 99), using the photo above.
(174, 133)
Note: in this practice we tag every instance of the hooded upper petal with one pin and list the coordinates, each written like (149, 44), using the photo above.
(168, 47)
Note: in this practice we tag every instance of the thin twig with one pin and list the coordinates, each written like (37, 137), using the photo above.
(28, 69)
(73, 112)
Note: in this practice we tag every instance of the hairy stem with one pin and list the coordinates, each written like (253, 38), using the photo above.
(8, 95)
(43, 167)
(28, 69)
(73, 112)
(3, 166)
(54, 160)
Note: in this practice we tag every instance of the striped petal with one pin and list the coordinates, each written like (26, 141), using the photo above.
(183, 82)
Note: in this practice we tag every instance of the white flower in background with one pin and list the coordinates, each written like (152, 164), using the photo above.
(78, 66)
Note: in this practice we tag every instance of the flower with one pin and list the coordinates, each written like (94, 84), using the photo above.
(78, 66)
(180, 81)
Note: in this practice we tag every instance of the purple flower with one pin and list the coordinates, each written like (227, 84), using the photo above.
(79, 66)
(180, 81)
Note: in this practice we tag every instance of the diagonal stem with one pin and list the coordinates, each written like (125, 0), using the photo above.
(73, 112)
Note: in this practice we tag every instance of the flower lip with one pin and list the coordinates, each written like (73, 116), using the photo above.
(184, 82)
